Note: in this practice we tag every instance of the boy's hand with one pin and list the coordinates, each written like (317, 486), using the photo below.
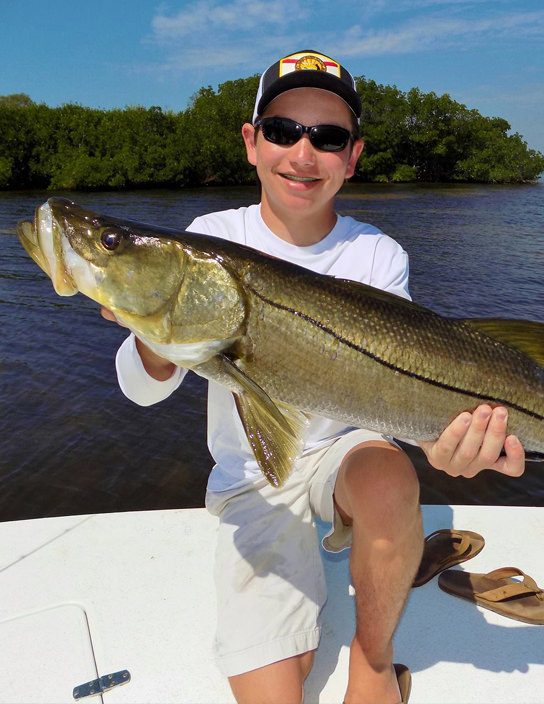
(474, 441)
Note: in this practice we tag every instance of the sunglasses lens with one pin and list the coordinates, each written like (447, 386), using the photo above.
(281, 131)
(329, 138)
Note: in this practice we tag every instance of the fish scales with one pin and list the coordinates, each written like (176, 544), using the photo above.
(390, 363)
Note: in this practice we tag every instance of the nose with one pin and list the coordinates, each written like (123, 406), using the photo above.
(303, 152)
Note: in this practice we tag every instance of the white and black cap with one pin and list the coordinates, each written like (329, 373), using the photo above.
(306, 69)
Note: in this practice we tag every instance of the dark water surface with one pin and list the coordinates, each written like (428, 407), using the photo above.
(71, 443)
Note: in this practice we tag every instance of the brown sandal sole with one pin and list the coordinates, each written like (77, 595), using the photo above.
(444, 549)
(498, 592)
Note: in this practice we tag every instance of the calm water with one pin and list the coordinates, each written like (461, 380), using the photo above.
(71, 443)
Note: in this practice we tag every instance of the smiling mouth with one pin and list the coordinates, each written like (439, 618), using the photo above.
(300, 179)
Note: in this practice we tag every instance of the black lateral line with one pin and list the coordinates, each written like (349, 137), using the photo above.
(393, 367)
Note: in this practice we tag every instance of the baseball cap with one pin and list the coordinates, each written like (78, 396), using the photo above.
(306, 69)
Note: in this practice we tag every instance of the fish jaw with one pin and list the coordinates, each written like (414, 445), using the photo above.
(43, 242)
(60, 240)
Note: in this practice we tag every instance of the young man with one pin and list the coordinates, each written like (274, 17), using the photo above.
(304, 143)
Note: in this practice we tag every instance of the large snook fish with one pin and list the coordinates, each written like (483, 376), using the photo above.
(288, 342)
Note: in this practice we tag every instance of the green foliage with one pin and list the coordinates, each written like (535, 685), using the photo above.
(213, 140)
(5, 172)
(404, 174)
(408, 137)
(424, 137)
(384, 129)
(16, 100)
(495, 157)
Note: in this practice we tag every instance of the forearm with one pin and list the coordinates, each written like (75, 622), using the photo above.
(137, 383)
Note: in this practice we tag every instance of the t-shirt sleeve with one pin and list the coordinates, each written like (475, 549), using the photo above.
(136, 383)
(390, 268)
(204, 224)
(198, 225)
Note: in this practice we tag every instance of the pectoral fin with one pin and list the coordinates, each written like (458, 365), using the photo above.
(275, 431)
(274, 436)
(524, 335)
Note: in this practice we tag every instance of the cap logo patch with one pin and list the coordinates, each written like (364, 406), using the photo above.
(312, 62)
(306, 62)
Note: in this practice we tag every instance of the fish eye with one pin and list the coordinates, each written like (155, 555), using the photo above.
(110, 240)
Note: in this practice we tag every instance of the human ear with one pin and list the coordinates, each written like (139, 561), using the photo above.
(249, 135)
(356, 151)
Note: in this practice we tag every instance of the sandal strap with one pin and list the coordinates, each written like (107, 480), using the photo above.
(464, 542)
(512, 588)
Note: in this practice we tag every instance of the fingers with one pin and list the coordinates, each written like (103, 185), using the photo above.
(473, 442)
(440, 453)
(513, 464)
(484, 438)
(108, 315)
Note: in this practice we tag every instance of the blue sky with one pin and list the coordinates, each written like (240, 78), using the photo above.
(487, 54)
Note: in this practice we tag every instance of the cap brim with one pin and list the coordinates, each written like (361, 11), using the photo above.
(311, 79)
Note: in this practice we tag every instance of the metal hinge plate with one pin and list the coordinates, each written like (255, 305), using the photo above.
(101, 685)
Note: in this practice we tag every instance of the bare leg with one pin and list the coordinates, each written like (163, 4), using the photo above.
(278, 683)
(377, 492)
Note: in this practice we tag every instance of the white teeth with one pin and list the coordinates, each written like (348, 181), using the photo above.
(299, 178)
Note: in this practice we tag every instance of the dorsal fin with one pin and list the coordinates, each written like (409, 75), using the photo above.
(524, 335)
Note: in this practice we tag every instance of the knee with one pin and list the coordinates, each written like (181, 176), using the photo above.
(377, 479)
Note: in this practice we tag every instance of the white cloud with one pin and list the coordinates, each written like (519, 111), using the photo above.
(246, 35)
(254, 31)
(442, 32)
(206, 17)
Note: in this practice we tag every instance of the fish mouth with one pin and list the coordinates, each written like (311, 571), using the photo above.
(43, 241)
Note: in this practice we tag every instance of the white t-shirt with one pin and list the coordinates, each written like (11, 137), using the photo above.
(352, 250)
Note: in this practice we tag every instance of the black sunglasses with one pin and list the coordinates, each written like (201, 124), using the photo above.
(283, 131)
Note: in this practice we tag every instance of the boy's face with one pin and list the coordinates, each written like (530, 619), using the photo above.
(300, 178)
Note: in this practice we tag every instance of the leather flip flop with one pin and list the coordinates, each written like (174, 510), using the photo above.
(446, 548)
(497, 591)
(404, 678)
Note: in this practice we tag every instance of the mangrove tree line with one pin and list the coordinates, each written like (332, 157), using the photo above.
(409, 136)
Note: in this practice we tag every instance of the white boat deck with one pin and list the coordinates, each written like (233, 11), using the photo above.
(85, 596)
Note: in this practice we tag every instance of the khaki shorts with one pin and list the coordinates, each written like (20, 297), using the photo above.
(269, 577)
